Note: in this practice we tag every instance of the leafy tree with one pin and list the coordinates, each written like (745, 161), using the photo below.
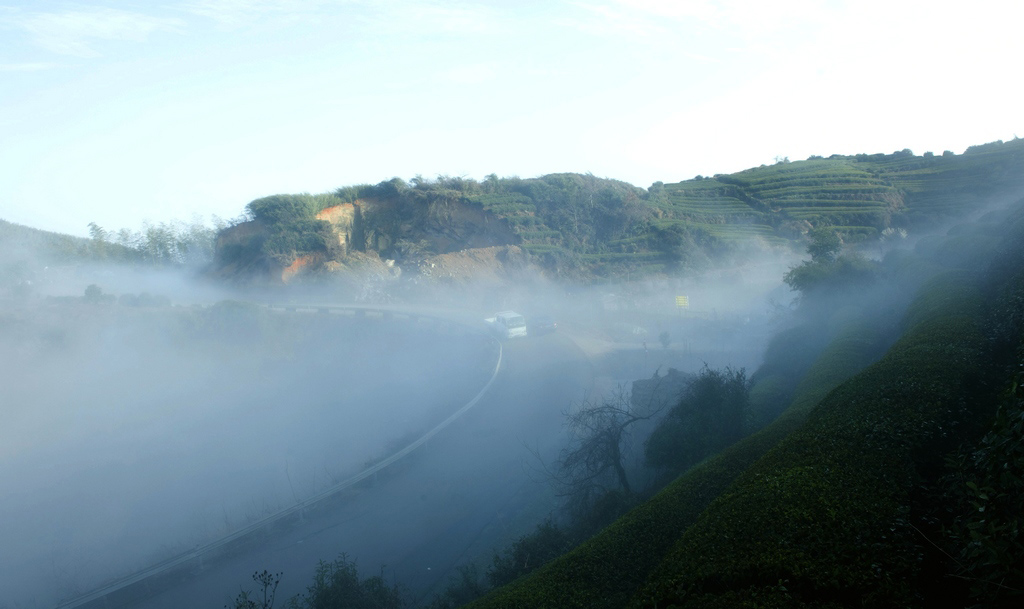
(170, 243)
(96, 232)
(393, 187)
(828, 269)
(847, 271)
(683, 246)
(708, 418)
(825, 244)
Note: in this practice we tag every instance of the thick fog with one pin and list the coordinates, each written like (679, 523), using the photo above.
(134, 433)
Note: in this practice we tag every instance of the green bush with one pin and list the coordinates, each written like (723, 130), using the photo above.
(286, 209)
(817, 277)
(708, 417)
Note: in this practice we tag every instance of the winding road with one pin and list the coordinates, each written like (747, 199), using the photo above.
(469, 489)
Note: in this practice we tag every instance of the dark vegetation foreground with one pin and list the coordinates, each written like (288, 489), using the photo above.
(901, 486)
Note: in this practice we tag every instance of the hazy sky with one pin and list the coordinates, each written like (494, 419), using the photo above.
(119, 112)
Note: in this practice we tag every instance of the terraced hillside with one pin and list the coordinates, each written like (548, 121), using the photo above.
(860, 195)
(584, 226)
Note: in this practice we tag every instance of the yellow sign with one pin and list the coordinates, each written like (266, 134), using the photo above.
(682, 301)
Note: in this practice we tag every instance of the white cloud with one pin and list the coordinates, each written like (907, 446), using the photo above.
(75, 32)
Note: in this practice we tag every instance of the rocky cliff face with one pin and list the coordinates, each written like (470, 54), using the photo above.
(343, 219)
(402, 236)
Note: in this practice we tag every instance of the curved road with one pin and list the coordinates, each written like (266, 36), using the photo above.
(471, 489)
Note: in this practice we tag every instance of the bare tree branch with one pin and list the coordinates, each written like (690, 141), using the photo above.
(592, 464)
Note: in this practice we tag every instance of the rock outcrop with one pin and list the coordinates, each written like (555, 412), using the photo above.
(436, 238)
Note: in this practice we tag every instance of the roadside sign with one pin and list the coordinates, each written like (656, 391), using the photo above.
(682, 302)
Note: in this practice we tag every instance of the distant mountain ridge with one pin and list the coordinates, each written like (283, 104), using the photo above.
(578, 226)
(583, 226)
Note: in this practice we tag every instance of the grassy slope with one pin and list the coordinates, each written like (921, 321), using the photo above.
(815, 514)
(862, 194)
(824, 518)
(22, 242)
(607, 570)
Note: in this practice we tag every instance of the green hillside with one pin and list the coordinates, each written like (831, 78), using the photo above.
(26, 252)
(893, 483)
(22, 242)
(166, 243)
(860, 194)
(585, 226)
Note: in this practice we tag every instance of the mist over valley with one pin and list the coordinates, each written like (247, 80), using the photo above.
(175, 424)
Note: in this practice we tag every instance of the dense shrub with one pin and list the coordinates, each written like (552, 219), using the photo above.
(986, 535)
(290, 229)
(708, 418)
(846, 272)
(286, 209)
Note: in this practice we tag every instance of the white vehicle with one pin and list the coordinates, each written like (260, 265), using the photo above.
(508, 324)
